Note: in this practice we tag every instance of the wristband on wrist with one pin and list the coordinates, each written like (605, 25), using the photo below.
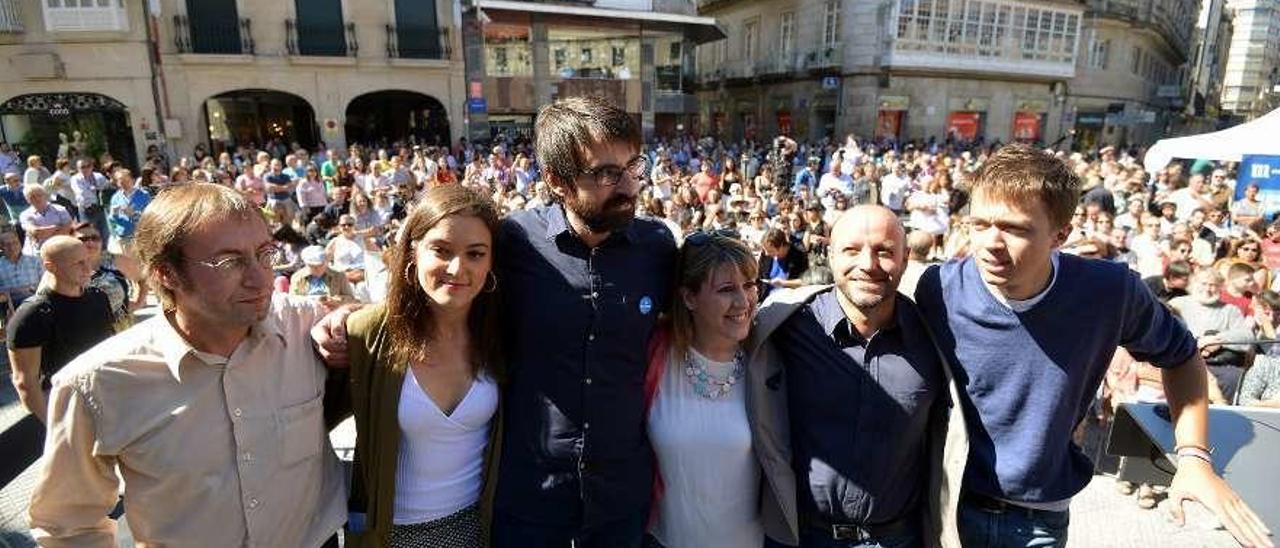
(1196, 453)
(1193, 446)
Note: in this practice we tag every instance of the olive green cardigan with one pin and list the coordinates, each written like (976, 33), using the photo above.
(373, 394)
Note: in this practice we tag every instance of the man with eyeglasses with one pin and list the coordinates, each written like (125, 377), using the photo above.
(53, 327)
(212, 412)
(584, 282)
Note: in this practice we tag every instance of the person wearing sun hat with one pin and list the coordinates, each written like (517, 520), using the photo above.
(318, 280)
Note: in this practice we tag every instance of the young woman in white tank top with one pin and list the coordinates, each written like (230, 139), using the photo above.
(430, 335)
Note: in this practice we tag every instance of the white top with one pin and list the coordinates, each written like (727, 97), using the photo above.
(441, 464)
(709, 471)
(935, 215)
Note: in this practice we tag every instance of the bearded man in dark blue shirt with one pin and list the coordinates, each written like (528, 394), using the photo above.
(583, 283)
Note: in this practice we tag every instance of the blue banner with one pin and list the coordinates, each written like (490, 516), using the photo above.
(1263, 171)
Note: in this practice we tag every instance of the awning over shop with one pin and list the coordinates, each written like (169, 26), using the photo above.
(698, 29)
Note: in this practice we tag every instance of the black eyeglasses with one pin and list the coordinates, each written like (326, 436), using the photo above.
(90, 238)
(703, 237)
(609, 175)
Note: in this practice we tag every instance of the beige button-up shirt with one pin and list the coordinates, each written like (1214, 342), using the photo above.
(213, 451)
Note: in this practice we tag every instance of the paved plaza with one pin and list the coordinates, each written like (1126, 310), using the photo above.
(1101, 517)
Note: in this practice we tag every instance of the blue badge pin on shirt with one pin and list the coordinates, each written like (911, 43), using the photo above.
(646, 304)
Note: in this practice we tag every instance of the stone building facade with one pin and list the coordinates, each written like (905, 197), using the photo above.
(222, 73)
(918, 69)
(82, 73)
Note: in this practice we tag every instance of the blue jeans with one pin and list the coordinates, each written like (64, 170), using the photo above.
(812, 538)
(512, 532)
(1012, 529)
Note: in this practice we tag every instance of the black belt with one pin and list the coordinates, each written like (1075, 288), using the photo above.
(858, 532)
(996, 506)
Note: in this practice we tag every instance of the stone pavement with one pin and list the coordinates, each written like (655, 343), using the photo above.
(1100, 518)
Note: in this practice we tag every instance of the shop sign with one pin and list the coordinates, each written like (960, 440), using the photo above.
(964, 125)
(1263, 171)
(1033, 105)
(969, 104)
(1090, 118)
(894, 102)
(1026, 126)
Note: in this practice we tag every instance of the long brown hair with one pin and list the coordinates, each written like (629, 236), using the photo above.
(410, 324)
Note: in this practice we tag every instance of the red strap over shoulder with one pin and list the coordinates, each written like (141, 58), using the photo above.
(659, 345)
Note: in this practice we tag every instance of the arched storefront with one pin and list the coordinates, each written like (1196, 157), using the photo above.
(395, 115)
(259, 116)
(68, 124)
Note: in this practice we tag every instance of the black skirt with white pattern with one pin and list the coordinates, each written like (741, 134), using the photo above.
(461, 529)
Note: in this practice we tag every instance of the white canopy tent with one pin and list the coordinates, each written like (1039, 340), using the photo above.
(1260, 136)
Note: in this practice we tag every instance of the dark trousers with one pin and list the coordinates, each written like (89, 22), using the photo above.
(1016, 528)
(512, 532)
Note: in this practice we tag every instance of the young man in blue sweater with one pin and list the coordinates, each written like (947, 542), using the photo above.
(1030, 332)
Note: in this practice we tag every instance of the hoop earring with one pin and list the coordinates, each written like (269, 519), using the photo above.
(494, 278)
(407, 268)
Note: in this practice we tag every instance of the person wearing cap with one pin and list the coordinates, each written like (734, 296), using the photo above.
(808, 177)
(1168, 216)
(318, 280)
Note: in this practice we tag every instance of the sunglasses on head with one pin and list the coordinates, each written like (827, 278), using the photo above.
(703, 237)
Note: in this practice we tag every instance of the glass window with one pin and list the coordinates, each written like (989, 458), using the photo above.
(619, 56)
(787, 33)
(85, 15)
(507, 50)
(831, 23)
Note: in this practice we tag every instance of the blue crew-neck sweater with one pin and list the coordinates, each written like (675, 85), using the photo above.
(1029, 377)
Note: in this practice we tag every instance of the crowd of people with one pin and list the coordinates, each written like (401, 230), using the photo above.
(590, 339)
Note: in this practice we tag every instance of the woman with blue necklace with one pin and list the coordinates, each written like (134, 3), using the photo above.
(708, 485)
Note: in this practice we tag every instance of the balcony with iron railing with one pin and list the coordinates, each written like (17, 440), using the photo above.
(210, 37)
(10, 16)
(824, 57)
(311, 40)
(418, 42)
